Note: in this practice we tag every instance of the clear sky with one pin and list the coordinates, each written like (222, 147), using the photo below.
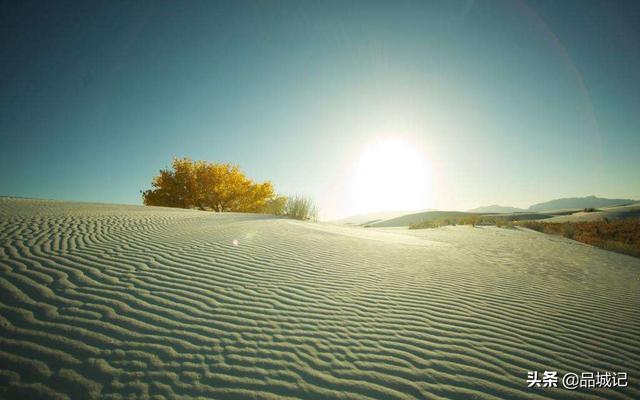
(510, 102)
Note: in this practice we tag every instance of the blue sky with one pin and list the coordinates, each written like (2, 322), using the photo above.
(509, 102)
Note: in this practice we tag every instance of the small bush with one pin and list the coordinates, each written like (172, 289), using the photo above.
(472, 220)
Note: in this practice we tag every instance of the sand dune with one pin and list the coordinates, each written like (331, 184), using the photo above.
(622, 212)
(104, 301)
(414, 218)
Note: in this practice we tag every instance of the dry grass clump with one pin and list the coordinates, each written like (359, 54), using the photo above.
(621, 236)
(300, 207)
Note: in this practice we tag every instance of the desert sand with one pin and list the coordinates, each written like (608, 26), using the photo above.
(622, 212)
(108, 301)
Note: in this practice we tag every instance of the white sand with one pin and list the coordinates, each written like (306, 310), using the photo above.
(103, 301)
(622, 212)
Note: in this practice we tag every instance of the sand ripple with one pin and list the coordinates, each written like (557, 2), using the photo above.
(102, 301)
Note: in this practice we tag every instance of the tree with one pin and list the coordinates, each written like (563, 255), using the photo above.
(174, 188)
(217, 186)
(276, 205)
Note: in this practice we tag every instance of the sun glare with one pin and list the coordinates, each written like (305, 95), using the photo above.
(391, 175)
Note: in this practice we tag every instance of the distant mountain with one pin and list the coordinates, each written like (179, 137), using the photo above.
(496, 209)
(578, 203)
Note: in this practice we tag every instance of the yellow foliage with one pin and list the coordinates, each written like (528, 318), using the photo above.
(217, 186)
(277, 205)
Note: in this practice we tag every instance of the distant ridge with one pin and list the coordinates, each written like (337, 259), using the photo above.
(497, 209)
(578, 203)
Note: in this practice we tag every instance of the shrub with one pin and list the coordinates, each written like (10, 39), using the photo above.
(472, 220)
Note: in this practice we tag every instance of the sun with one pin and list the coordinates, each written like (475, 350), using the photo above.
(391, 175)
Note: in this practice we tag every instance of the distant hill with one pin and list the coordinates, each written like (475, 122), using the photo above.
(496, 209)
(578, 203)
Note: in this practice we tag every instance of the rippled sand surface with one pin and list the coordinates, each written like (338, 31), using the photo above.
(106, 301)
